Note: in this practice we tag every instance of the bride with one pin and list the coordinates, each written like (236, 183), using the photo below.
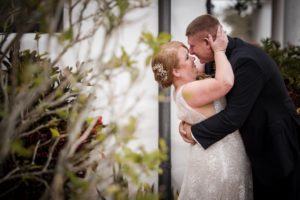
(223, 170)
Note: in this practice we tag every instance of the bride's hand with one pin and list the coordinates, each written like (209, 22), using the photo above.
(186, 133)
(221, 41)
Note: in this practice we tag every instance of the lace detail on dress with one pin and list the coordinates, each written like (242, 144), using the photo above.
(222, 171)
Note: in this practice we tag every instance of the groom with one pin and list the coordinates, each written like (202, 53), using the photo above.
(260, 107)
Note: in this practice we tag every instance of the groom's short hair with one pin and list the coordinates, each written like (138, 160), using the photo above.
(203, 23)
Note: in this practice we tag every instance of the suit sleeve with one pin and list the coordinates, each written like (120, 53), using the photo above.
(249, 81)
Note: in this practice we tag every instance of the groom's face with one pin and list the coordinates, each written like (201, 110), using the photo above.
(199, 46)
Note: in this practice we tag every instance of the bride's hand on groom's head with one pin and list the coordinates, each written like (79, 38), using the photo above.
(221, 41)
(186, 133)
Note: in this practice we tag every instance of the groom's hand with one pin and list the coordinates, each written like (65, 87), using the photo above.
(186, 133)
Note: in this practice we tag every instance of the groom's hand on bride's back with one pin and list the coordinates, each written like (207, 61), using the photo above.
(186, 133)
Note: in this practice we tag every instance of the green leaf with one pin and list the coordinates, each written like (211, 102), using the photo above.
(55, 133)
(82, 98)
(163, 37)
(123, 6)
(63, 114)
(67, 35)
(18, 148)
(131, 125)
(100, 137)
(89, 120)
(38, 81)
(58, 93)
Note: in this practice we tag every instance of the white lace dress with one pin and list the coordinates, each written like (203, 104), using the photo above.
(222, 171)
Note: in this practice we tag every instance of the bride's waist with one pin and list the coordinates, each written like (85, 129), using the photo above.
(232, 139)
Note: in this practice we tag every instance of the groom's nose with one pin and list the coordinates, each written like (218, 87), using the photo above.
(191, 51)
(192, 57)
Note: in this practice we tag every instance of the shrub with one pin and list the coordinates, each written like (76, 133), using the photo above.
(288, 60)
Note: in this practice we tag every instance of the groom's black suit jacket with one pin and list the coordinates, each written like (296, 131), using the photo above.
(260, 107)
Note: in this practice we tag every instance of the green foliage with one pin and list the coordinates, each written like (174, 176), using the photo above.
(146, 192)
(55, 133)
(66, 35)
(154, 43)
(133, 163)
(17, 147)
(50, 144)
(37, 129)
(288, 60)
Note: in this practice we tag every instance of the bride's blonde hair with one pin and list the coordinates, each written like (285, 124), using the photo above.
(164, 61)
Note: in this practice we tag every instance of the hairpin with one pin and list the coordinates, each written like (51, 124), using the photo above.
(162, 73)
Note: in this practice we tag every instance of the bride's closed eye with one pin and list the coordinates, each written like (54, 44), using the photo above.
(187, 55)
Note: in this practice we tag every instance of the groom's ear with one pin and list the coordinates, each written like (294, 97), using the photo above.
(206, 43)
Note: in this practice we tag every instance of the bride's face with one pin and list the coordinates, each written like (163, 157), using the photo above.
(186, 66)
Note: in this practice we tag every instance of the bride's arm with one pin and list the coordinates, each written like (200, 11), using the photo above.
(202, 92)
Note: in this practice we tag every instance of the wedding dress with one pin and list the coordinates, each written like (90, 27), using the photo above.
(220, 172)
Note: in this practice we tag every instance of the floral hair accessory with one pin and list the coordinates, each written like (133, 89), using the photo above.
(162, 73)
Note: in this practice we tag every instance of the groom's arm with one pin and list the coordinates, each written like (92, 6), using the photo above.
(249, 80)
